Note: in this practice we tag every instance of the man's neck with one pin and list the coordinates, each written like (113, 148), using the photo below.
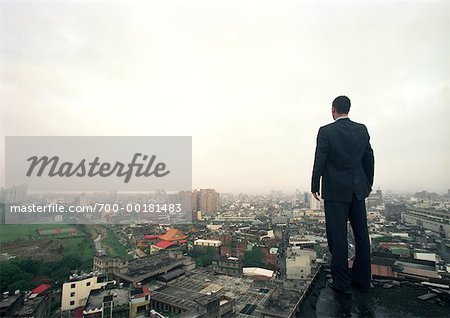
(341, 117)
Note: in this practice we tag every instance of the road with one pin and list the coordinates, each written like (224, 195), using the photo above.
(282, 250)
(98, 246)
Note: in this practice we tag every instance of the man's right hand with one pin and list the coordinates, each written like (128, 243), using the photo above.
(316, 195)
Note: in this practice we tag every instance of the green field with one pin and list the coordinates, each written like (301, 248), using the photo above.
(81, 247)
(26, 232)
(26, 235)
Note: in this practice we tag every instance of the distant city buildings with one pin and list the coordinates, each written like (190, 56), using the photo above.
(81, 200)
(113, 196)
(393, 211)
(205, 200)
(434, 220)
(426, 195)
(197, 215)
(246, 255)
(314, 204)
(15, 194)
(375, 199)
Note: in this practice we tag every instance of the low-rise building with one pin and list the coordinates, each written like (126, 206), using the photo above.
(107, 303)
(76, 291)
(35, 307)
(228, 266)
(207, 243)
(110, 265)
(10, 303)
(301, 241)
(299, 263)
(139, 302)
(147, 267)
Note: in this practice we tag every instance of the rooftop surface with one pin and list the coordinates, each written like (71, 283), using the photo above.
(30, 306)
(251, 297)
(173, 235)
(386, 299)
(8, 301)
(95, 300)
(147, 264)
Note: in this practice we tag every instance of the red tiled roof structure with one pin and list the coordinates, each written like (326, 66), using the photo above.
(164, 244)
(151, 237)
(173, 235)
(41, 288)
(140, 292)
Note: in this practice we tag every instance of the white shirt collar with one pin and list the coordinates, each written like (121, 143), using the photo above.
(342, 117)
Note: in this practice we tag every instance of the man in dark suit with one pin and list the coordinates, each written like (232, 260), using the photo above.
(345, 162)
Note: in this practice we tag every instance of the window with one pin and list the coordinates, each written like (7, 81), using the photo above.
(72, 294)
(72, 303)
(88, 284)
(72, 285)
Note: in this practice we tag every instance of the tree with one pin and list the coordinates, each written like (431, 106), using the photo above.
(7, 272)
(27, 265)
(254, 258)
(22, 284)
(202, 257)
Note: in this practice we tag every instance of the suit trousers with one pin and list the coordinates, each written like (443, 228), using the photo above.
(336, 215)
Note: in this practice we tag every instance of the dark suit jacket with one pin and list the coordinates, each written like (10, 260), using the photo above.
(344, 160)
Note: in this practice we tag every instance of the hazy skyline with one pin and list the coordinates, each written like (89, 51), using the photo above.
(250, 81)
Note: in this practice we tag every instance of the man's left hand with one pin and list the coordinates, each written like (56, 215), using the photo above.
(316, 195)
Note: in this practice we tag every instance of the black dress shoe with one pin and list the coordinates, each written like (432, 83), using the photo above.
(337, 290)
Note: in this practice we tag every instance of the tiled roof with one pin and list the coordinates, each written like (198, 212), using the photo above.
(173, 235)
(151, 237)
(164, 244)
(41, 288)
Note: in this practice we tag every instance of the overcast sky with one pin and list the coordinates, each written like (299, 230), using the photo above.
(250, 81)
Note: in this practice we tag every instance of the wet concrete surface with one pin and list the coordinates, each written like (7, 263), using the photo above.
(398, 301)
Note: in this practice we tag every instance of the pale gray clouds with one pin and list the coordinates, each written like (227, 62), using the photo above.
(251, 81)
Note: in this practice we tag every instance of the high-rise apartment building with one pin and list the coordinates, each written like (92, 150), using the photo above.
(205, 200)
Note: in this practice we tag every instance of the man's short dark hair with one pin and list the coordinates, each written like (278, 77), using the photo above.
(342, 104)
